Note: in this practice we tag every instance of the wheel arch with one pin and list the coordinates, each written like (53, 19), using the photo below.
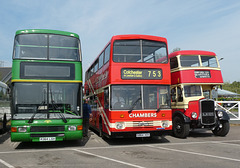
(183, 116)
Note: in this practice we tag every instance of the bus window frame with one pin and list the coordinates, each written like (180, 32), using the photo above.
(48, 47)
(142, 56)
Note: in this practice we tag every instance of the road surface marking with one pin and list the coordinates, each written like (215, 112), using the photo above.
(6, 164)
(195, 153)
(106, 158)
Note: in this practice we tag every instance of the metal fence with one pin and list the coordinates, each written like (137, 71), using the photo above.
(5, 110)
(231, 107)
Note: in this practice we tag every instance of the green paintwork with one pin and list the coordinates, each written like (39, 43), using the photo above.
(25, 137)
(46, 31)
(16, 68)
(68, 135)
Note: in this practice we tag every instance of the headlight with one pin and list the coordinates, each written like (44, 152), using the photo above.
(22, 129)
(194, 115)
(220, 114)
(72, 128)
(165, 124)
(120, 125)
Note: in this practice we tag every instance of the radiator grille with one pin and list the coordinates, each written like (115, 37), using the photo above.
(142, 123)
(208, 112)
(46, 128)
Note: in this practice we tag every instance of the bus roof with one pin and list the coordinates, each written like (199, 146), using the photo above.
(46, 31)
(138, 36)
(191, 52)
(130, 37)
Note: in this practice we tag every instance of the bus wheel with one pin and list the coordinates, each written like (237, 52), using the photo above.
(180, 128)
(222, 129)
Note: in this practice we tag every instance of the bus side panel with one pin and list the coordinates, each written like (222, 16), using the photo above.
(188, 76)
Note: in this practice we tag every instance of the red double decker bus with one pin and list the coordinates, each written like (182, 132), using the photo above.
(194, 76)
(128, 87)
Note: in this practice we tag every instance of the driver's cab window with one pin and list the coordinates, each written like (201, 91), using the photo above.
(173, 94)
(179, 94)
(206, 94)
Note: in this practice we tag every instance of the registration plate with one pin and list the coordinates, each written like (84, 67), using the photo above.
(47, 139)
(143, 135)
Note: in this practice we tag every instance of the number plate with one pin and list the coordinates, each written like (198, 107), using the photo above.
(47, 139)
(143, 135)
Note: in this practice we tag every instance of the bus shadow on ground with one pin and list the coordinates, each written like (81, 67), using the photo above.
(52, 145)
(136, 141)
(131, 141)
(201, 133)
(5, 135)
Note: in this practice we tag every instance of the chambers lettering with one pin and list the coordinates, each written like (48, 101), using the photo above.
(142, 115)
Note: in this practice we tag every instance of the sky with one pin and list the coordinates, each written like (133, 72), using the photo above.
(189, 25)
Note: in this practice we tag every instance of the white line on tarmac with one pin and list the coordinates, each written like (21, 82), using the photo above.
(6, 164)
(106, 158)
(117, 146)
(194, 153)
(226, 143)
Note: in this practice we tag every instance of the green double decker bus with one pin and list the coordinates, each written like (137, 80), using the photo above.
(46, 94)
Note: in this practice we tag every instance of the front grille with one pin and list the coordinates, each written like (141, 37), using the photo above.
(47, 135)
(46, 128)
(142, 123)
(207, 112)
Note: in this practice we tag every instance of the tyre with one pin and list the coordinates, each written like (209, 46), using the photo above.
(223, 130)
(180, 128)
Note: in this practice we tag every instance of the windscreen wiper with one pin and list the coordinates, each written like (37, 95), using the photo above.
(32, 117)
(55, 107)
(134, 104)
(159, 109)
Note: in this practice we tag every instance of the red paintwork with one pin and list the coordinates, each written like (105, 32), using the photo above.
(191, 52)
(110, 73)
(186, 75)
(193, 106)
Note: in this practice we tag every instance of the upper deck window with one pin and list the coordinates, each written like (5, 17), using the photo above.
(139, 51)
(194, 61)
(189, 61)
(47, 47)
(209, 61)
(173, 62)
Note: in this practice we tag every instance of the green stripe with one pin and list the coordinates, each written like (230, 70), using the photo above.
(46, 46)
(46, 31)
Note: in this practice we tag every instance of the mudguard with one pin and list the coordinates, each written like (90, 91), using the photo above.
(179, 113)
(225, 116)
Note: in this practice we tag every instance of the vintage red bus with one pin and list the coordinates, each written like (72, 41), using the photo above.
(128, 87)
(194, 76)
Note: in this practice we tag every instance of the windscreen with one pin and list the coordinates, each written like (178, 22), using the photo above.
(29, 98)
(46, 46)
(139, 97)
(192, 90)
(140, 51)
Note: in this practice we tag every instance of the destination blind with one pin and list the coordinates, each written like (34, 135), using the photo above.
(141, 74)
(202, 74)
